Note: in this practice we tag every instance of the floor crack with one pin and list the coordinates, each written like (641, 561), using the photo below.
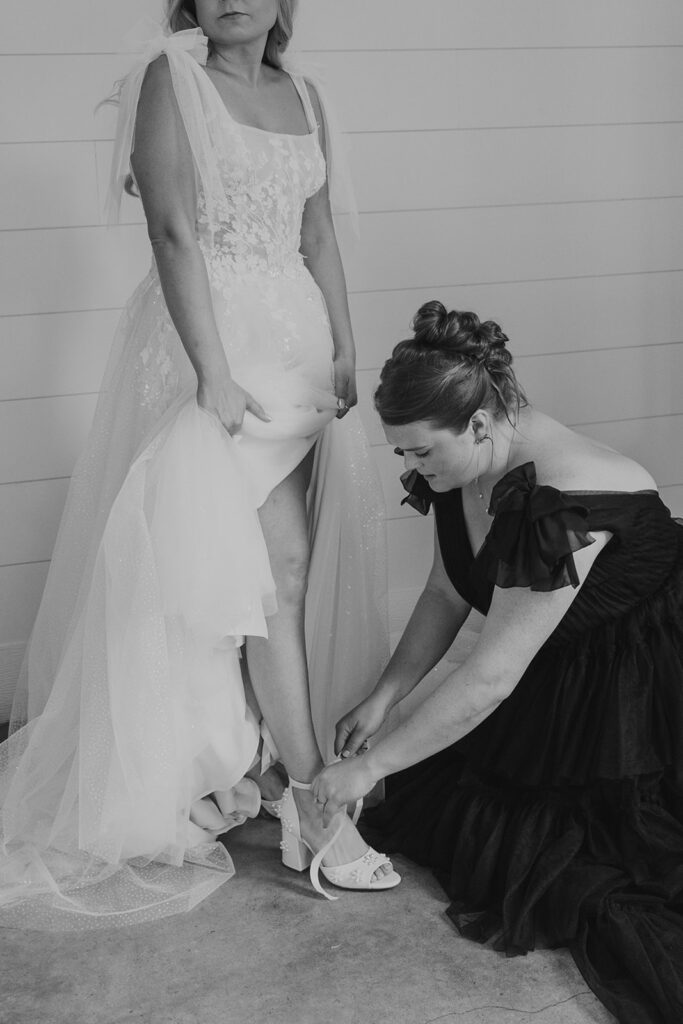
(510, 1009)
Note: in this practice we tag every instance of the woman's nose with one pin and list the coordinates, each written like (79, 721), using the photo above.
(410, 460)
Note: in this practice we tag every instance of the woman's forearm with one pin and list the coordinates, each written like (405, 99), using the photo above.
(431, 630)
(458, 706)
(325, 265)
(185, 285)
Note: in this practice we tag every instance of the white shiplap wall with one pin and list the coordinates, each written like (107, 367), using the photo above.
(522, 160)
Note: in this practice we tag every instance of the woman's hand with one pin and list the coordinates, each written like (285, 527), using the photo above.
(342, 784)
(229, 402)
(345, 384)
(359, 724)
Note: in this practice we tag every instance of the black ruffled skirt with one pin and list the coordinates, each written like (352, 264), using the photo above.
(559, 821)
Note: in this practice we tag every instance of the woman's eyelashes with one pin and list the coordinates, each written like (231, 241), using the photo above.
(419, 455)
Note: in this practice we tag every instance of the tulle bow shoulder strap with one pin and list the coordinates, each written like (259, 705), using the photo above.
(186, 53)
(339, 180)
(535, 531)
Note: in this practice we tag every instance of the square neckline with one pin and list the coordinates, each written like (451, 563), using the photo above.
(267, 131)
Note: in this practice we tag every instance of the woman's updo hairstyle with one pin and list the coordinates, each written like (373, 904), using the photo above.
(182, 14)
(453, 366)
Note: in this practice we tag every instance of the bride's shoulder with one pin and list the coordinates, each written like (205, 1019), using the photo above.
(157, 84)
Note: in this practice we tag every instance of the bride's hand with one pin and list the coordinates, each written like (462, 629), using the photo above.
(359, 724)
(341, 784)
(345, 384)
(229, 402)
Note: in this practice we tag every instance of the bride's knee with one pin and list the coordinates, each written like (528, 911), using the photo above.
(290, 572)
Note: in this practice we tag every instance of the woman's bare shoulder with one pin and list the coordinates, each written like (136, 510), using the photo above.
(571, 461)
(158, 71)
(587, 465)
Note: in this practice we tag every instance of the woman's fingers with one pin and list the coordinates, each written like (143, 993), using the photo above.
(349, 736)
(324, 798)
(257, 410)
(351, 395)
(341, 784)
(344, 389)
(354, 741)
(341, 733)
(342, 406)
(330, 812)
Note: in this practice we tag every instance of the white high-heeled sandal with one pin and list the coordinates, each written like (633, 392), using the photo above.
(298, 855)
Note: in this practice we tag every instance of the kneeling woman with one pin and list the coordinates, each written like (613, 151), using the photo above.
(543, 780)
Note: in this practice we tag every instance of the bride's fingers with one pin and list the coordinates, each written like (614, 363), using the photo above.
(257, 410)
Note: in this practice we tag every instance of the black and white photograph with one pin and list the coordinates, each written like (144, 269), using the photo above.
(341, 512)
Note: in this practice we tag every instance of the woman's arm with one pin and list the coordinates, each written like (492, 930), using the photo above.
(164, 171)
(432, 628)
(321, 252)
(517, 625)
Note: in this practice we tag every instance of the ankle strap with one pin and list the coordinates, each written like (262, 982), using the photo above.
(300, 785)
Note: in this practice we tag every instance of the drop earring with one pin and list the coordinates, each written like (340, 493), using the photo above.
(479, 489)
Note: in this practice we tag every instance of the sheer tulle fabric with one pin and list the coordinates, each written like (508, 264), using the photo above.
(131, 704)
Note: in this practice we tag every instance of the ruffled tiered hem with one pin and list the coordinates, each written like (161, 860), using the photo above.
(598, 869)
(559, 820)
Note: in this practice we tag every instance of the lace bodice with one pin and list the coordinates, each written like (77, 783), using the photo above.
(266, 179)
(252, 184)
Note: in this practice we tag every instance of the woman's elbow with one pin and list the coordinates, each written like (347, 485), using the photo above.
(318, 238)
(494, 684)
(168, 238)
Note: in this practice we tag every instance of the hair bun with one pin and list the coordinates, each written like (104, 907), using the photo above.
(460, 333)
(431, 323)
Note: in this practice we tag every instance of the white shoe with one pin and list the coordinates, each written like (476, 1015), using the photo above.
(298, 855)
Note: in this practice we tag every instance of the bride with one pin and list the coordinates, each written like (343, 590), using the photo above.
(216, 487)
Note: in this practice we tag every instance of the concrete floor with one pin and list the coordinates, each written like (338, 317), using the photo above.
(265, 949)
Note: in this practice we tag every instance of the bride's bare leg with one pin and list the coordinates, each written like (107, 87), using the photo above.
(272, 782)
(277, 666)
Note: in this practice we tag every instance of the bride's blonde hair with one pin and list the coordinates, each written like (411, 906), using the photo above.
(182, 14)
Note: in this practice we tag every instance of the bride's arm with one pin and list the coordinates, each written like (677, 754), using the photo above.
(321, 252)
(432, 628)
(164, 171)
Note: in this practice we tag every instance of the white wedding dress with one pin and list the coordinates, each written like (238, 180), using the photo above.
(131, 704)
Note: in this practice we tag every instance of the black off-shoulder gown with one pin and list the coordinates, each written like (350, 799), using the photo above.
(559, 820)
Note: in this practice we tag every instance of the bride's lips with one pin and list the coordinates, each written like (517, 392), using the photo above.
(233, 14)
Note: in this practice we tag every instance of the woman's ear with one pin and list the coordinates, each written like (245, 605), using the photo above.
(480, 424)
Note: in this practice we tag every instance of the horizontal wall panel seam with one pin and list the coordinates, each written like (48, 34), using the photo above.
(38, 480)
(376, 368)
(513, 281)
(396, 131)
(388, 291)
(65, 312)
(389, 49)
(601, 200)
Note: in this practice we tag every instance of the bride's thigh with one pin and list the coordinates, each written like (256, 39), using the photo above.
(285, 529)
